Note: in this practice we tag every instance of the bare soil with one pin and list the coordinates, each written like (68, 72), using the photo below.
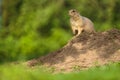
(84, 51)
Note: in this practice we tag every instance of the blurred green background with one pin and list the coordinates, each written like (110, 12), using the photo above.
(32, 28)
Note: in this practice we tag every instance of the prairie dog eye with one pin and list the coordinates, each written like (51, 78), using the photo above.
(73, 11)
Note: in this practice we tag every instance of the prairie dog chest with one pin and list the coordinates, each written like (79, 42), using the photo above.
(75, 23)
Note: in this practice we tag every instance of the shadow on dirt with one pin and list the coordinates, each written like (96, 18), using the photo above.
(104, 43)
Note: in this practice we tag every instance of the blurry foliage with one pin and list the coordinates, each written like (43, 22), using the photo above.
(0, 13)
(20, 72)
(32, 28)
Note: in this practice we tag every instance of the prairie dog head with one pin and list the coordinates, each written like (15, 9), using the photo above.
(73, 13)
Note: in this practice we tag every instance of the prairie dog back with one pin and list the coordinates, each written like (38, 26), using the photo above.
(88, 25)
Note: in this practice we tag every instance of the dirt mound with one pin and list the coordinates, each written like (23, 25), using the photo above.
(84, 51)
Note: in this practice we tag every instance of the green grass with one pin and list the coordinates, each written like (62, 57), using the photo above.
(18, 72)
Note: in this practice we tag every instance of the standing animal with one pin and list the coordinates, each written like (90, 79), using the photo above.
(80, 23)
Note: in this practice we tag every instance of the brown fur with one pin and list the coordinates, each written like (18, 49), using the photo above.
(80, 23)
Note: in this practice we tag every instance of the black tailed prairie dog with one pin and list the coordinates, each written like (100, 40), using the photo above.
(80, 23)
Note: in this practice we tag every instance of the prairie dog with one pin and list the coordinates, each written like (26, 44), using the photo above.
(80, 23)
